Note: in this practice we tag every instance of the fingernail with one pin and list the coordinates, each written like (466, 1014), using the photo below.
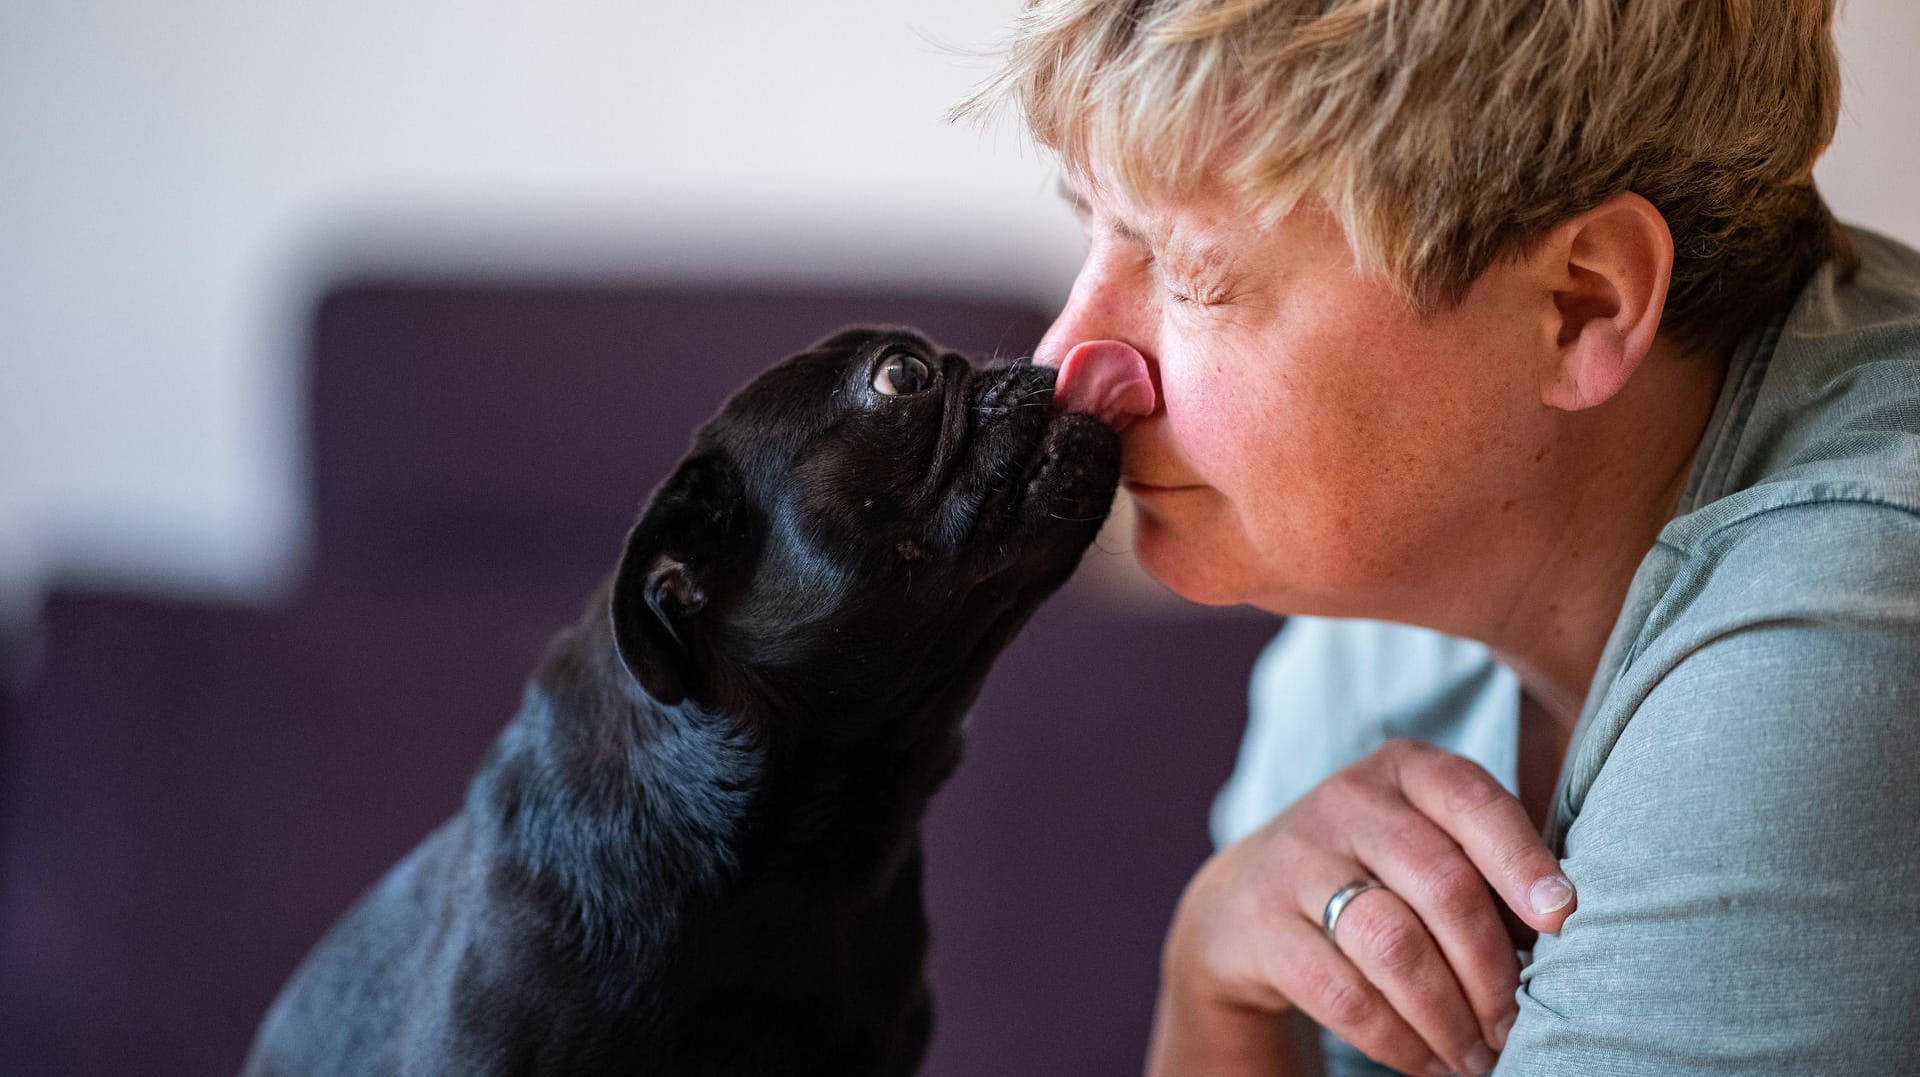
(1500, 1032)
(1551, 894)
(1480, 1059)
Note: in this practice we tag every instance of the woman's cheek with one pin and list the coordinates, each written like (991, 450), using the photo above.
(1210, 420)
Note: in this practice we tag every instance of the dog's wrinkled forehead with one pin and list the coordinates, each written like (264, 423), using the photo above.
(806, 393)
(857, 417)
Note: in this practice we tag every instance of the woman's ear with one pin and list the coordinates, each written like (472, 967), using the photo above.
(1608, 271)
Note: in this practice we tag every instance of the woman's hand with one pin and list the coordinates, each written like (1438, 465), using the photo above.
(1421, 973)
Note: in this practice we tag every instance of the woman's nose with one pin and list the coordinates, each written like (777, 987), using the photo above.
(1060, 336)
(1096, 309)
(1107, 379)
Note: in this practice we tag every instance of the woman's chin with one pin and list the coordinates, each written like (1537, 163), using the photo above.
(1188, 564)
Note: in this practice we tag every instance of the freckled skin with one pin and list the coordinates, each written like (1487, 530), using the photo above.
(1494, 470)
(1326, 447)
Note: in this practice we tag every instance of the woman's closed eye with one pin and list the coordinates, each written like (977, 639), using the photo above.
(1199, 292)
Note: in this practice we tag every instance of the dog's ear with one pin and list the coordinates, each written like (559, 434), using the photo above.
(664, 580)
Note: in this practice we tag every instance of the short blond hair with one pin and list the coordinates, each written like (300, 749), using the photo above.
(1445, 134)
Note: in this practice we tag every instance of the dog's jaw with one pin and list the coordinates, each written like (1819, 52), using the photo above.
(1036, 484)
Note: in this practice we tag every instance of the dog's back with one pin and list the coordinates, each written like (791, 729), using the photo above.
(348, 1007)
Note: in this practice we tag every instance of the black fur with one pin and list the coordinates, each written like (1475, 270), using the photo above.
(696, 849)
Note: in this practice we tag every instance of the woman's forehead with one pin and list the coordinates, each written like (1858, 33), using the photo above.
(1208, 228)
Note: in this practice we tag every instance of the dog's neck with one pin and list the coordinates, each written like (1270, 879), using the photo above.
(609, 807)
(620, 804)
(844, 812)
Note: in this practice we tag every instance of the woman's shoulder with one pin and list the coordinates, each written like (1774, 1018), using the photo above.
(1784, 626)
(1737, 809)
(1821, 404)
(1771, 602)
(1804, 502)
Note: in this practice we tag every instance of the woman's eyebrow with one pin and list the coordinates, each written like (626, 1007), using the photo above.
(1197, 254)
(1083, 208)
(1072, 197)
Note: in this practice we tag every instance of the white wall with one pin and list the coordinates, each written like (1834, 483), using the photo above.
(1869, 174)
(177, 180)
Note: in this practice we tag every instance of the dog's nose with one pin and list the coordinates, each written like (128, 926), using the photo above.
(1107, 379)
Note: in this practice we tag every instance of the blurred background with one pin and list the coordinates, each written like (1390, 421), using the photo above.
(338, 344)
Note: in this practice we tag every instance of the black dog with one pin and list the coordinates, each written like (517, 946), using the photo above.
(696, 849)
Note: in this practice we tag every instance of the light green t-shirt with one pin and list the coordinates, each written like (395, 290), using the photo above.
(1740, 806)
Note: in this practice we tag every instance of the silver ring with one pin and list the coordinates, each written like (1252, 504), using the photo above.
(1343, 897)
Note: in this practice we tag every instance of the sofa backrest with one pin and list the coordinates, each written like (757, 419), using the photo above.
(488, 426)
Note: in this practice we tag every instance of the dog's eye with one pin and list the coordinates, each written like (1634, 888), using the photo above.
(900, 374)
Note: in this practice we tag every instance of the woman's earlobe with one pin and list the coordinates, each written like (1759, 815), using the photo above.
(1595, 364)
(1612, 290)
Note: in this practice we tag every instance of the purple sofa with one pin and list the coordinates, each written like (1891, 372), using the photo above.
(190, 793)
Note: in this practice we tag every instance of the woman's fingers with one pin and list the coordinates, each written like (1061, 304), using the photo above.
(1489, 825)
(1423, 973)
(1446, 838)
(1327, 986)
(1444, 894)
(1394, 948)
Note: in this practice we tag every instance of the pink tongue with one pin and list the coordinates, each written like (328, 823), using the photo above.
(1106, 379)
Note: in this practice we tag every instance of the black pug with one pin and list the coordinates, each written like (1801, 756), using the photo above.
(696, 849)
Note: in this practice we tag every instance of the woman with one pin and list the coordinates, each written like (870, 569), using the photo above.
(1523, 324)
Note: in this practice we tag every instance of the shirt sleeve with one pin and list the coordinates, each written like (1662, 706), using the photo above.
(1328, 691)
(1748, 857)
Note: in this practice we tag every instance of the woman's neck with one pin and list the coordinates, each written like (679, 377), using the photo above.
(1627, 465)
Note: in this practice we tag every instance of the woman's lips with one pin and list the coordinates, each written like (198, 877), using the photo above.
(1142, 488)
